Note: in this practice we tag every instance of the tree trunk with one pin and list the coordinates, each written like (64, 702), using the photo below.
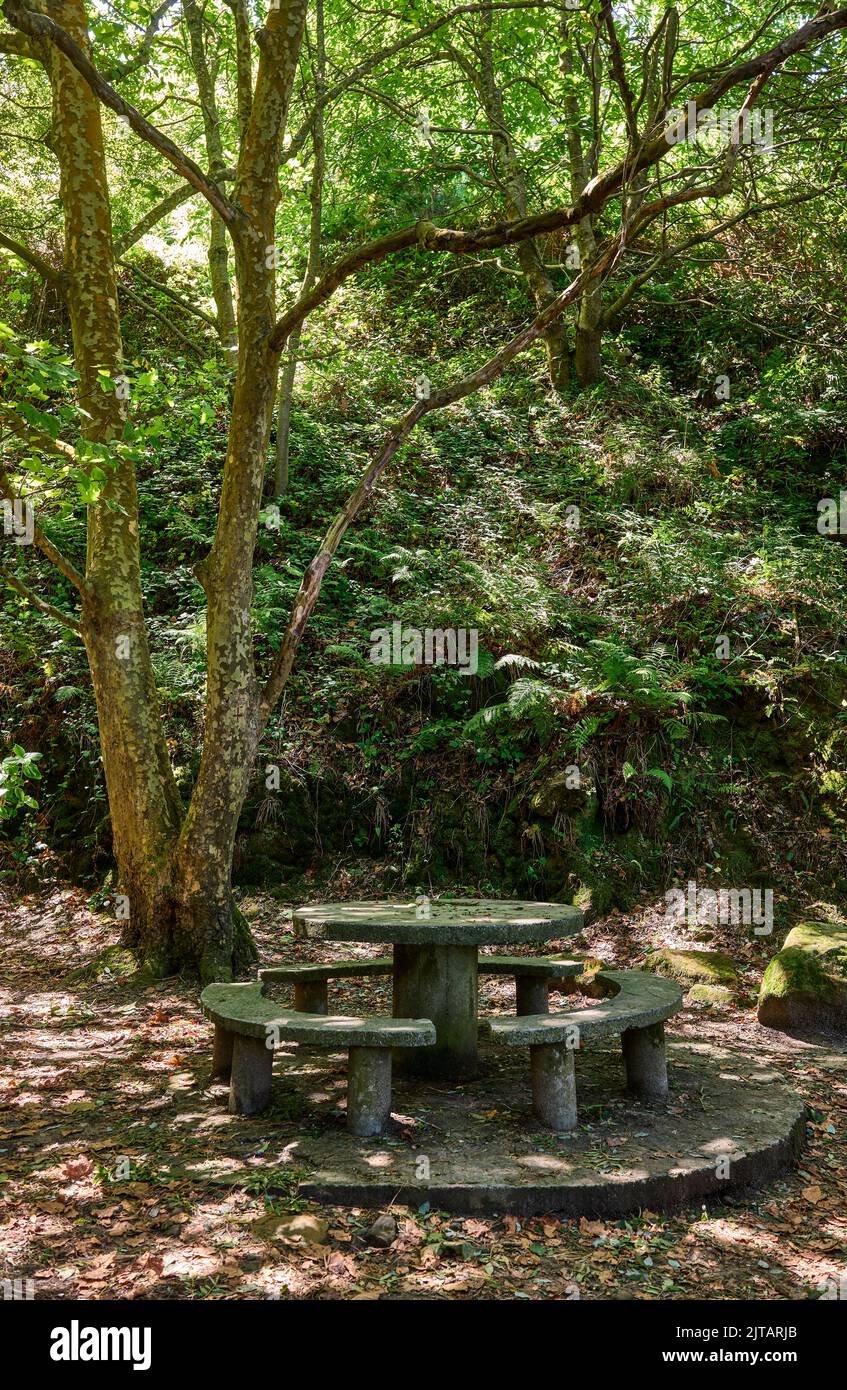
(220, 282)
(283, 415)
(559, 357)
(143, 798)
(174, 869)
(587, 366)
(207, 931)
(589, 335)
(513, 179)
(218, 244)
(286, 390)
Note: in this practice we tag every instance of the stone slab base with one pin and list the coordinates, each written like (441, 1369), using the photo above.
(728, 1123)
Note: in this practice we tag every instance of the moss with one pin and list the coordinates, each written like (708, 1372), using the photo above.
(586, 981)
(795, 971)
(116, 963)
(805, 985)
(821, 939)
(693, 967)
(714, 996)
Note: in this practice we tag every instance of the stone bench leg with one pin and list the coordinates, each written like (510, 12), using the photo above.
(645, 1061)
(532, 996)
(222, 1053)
(312, 997)
(250, 1081)
(553, 1086)
(368, 1090)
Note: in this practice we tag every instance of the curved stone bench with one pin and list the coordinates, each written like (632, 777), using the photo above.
(248, 1027)
(637, 1011)
(311, 982)
(533, 977)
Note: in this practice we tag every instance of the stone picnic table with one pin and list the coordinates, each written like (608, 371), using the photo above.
(435, 958)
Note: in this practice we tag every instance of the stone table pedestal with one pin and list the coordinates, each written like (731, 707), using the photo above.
(436, 947)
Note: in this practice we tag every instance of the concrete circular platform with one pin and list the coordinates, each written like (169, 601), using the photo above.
(729, 1123)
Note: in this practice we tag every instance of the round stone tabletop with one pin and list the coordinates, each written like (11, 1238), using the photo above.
(441, 922)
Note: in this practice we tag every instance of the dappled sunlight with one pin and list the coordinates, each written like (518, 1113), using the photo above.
(130, 1086)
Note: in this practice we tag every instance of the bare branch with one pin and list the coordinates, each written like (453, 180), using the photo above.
(310, 587)
(331, 94)
(162, 209)
(170, 294)
(143, 51)
(36, 438)
(615, 310)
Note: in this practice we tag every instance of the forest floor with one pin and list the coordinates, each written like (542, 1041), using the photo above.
(104, 1100)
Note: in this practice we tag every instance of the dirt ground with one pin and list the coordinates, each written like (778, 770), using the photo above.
(105, 1103)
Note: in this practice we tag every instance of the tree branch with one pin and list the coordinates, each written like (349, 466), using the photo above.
(36, 438)
(391, 50)
(672, 253)
(593, 198)
(170, 294)
(41, 604)
(47, 548)
(40, 26)
(32, 259)
(144, 49)
(166, 205)
(310, 586)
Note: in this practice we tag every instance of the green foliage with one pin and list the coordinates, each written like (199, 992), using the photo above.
(18, 768)
(697, 516)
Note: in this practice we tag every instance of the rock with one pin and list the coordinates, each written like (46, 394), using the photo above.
(804, 988)
(292, 1225)
(584, 983)
(693, 967)
(382, 1233)
(563, 791)
(715, 996)
(587, 981)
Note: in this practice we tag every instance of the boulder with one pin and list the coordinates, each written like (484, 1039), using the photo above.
(714, 996)
(693, 967)
(804, 988)
(563, 790)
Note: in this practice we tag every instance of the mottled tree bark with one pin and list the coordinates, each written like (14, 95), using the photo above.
(207, 931)
(143, 798)
(174, 865)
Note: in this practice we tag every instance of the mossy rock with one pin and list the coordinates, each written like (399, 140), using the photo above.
(558, 793)
(585, 982)
(804, 988)
(693, 967)
(714, 996)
